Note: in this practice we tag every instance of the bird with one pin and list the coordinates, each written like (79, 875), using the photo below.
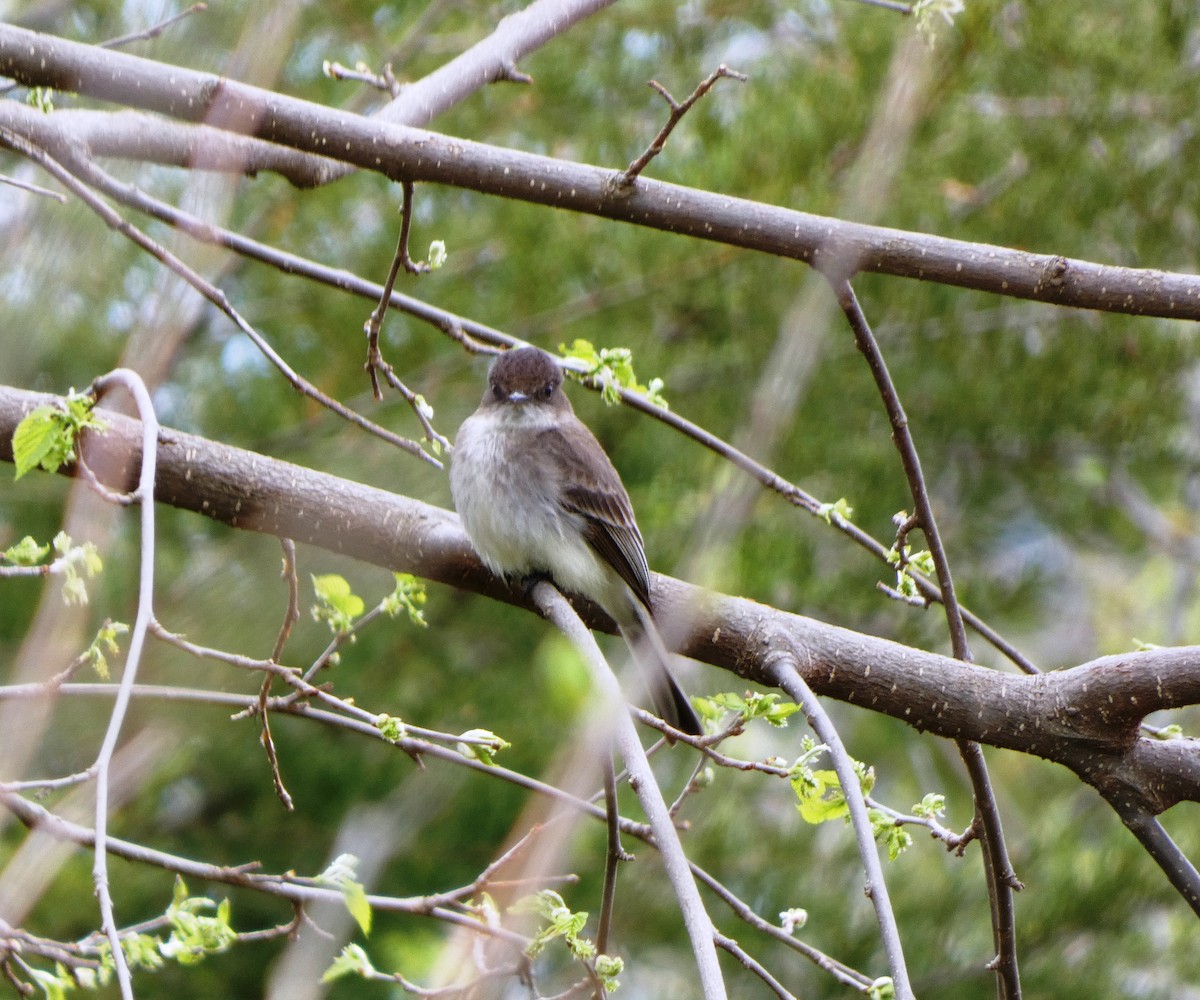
(539, 497)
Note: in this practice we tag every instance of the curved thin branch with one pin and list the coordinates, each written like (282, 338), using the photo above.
(132, 383)
(288, 887)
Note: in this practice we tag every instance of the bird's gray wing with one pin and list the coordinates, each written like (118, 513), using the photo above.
(591, 488)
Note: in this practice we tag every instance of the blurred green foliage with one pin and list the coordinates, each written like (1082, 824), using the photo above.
(1066, 128)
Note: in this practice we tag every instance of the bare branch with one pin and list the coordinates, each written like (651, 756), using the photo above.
(154, 30)
(1070, 715)
(491, 60)
(838, 248)
(1002, 880)
(34, 189)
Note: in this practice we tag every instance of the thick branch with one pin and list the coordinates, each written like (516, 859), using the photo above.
(837, 248)
(1085, 718)
(135, 135)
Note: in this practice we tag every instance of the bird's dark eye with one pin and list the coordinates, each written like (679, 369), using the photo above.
(497, 391)
(548, 390)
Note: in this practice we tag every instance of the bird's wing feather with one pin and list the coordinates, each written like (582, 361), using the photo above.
(593, 490)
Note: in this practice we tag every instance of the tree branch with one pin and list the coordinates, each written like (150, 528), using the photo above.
(1085, 718)
(838, 248)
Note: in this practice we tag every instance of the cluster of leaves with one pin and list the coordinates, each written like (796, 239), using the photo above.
(45, 439)
(74, 562)
(560, 922)
(340, 608)
(612, 369)
(199, 927)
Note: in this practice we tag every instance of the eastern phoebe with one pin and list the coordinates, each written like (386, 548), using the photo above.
(538, 496)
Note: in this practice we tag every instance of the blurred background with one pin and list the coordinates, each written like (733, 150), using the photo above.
(1060, 447)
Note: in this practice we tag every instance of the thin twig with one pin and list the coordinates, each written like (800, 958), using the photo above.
(292, 614)
(385, 81)
(34, 189)
(678, 110)
(839, 971)
(155, 30)
(210, 291)
(374, 325)
(287, 886)
(892, 5)
(304, 689)
(1165, 852)
(290, 617)
(753, 965)
(613, 855)
(400, 259)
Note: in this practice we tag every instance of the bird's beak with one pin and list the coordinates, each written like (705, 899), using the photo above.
(517, 397)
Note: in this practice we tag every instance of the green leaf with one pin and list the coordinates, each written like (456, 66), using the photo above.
(612, 368)
(882, 989)
(391, 727)
(792, 920)
(485, 751)
(409, 596)
(77, 561)
(888, 832)
(337, 604)
(820, 792)
(106, 639)
(838, 512)
(751, 705)
(932, 804)
(193, 934)
(341, 874)
(36, 440)
(41, 99)
(607, 968)
(353, 961)
(142, 951)
(45, 438)
(559, 922)
(26, 552)
(922, 561)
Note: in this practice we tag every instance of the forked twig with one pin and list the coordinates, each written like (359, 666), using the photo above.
(290, 617)
(678, 110)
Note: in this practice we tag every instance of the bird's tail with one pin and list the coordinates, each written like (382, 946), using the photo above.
(669, 701)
